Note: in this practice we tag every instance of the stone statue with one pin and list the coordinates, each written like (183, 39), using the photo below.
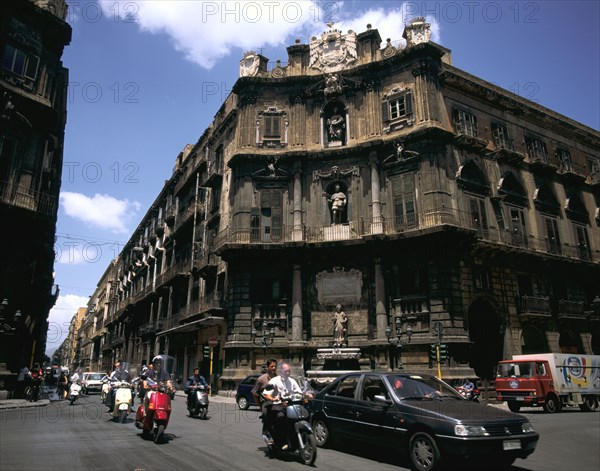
(338, 203)
(400, 154)
(340, 327)
(336, 126)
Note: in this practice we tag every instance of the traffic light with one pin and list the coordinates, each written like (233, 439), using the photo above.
(206, 351)
(443, 352)
(432, 354)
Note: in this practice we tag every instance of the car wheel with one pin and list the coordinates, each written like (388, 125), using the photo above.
(514, 407)
(552, 404)
(243, 403)
(589, 404)
(321, 430)
(423, 452)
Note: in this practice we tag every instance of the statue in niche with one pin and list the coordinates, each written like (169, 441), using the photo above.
(336, 126)
(338, 204)
(340, 327)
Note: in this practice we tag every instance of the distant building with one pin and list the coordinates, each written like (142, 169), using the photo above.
(33, 113)
(430, 204)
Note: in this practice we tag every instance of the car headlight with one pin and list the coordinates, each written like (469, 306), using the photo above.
(470, 431)
(527, 427)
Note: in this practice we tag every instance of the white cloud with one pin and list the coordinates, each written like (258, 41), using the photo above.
(206, 31)
(101, 211)
(60, 318)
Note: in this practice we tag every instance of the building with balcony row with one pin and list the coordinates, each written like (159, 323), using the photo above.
(420, 198)
(33, 113)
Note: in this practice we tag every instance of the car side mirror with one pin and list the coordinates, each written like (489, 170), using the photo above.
(382, 398)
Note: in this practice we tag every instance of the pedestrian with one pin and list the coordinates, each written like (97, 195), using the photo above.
(21, 378)
(62, 385)
(261, 401)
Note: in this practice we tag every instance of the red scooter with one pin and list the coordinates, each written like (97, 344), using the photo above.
(153, 413)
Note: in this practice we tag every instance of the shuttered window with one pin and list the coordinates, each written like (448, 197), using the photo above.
(267, 221)
(397, 107)
(403, 192)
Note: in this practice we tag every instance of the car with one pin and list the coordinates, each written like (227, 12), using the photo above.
(243, 396)
(419, 416)
(91, 382)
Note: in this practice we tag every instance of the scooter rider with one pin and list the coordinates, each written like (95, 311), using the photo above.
(195, 379)
(277, 390)
(265, 405)
(119, 374)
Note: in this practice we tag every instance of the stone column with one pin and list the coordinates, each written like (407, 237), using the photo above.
(297, 304)
(377, 221)
(380, 311)
(297, 231)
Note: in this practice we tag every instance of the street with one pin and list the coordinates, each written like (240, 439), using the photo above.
(83, 437)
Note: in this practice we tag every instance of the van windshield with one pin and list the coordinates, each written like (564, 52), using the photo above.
(516, 370)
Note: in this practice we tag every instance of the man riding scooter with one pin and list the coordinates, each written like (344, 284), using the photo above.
(119, 374)
(191, 385)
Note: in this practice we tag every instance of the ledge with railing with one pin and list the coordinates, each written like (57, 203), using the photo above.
(26, 198)
(534, 307)
(412, 222)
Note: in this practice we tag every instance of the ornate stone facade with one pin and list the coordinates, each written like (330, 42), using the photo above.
(453, 215)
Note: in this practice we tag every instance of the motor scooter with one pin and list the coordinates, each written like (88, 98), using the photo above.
(153, 413)
(74, 391)
(123, 400)
(472, 395)
(197, 401)
(298, 431)
(104, 391)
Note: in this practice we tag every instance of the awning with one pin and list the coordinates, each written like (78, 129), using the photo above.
(194, 325)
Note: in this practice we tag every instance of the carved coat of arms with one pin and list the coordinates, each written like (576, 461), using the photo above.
(249, 65)
(334, 51)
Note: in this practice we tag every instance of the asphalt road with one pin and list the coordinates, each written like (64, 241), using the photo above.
(83, 437)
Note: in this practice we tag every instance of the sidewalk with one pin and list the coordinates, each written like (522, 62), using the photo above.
(21, 403)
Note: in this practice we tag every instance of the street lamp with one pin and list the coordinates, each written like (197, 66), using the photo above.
(402, 338)
(268, 334)
(5, 326)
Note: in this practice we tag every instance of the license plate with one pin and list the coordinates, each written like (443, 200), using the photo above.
(123, 406)
(511, 444)
(518, 398)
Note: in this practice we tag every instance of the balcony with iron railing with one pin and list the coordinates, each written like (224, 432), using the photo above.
(179, 269)
(188, 213)
(273, 314)
(467, 135)
(570, 309)
(534, 307)
(26, 198)
(505, 151)
(214, 174)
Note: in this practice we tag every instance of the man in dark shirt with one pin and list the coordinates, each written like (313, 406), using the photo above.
(260, 384)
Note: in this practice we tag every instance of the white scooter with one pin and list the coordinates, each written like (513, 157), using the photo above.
(74, 391)
(104, 391)
(123, 400)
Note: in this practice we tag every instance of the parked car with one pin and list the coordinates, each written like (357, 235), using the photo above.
(419, 416)
(91, 382)
(243, 396)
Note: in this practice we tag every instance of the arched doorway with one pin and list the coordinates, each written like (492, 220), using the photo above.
(486, 337)
(533, 340)
(569, 342)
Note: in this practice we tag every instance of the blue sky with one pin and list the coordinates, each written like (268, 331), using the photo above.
(147, 77)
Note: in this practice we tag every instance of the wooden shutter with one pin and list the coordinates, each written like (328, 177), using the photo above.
(276, 214)
(408, 103)
(385, 111)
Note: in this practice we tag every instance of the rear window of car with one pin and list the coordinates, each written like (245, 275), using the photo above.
(250, 380)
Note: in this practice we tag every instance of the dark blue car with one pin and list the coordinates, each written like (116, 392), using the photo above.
(244, 397)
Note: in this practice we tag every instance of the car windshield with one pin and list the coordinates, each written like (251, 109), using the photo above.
(421, 388)
(95, 376)
(515, 370)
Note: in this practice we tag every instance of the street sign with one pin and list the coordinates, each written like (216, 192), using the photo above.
(213, 342)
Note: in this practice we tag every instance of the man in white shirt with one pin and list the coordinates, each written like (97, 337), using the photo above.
(277, 390)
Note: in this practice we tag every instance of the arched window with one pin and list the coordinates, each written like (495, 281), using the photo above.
(471, 178)
(512, 190)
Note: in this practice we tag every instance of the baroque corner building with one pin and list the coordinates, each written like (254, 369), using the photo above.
(33, 100)
(427, 203)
